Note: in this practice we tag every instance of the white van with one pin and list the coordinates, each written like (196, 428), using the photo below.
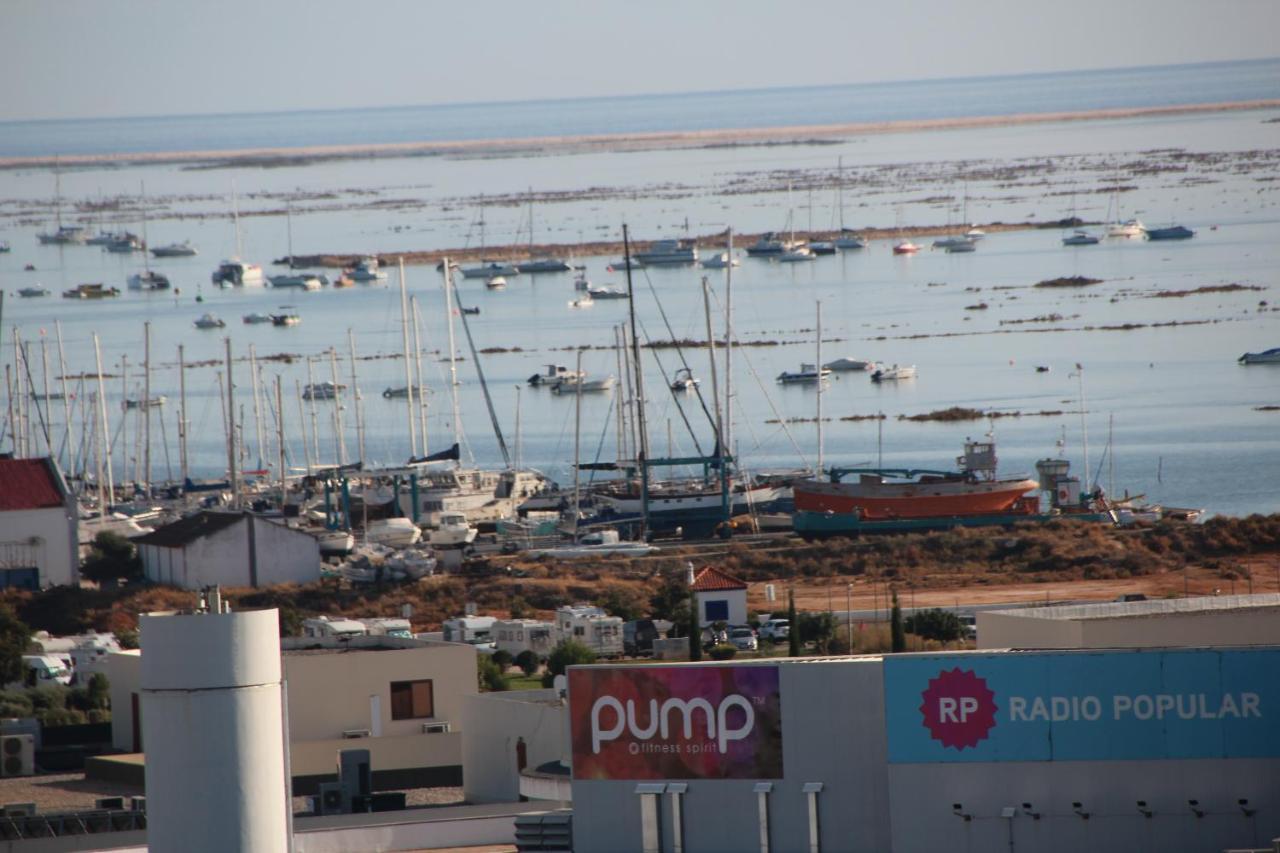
(44, 670)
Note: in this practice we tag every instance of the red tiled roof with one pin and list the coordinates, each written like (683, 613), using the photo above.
(711, 579)
(28, 484)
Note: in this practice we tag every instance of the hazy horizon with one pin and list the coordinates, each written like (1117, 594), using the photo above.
(143, 58)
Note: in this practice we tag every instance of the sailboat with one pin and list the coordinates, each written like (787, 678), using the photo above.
(148, 279)
(540, 265)
(848, 239)
(1129, 228)
(235, 272)
(62, 235)
(488, 269)
(304, 281)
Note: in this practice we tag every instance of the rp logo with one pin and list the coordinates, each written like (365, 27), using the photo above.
(959, 709)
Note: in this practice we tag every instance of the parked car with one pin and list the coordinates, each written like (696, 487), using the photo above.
(743, 639)
(776, 630)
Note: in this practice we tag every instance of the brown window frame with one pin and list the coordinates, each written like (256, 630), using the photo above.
(403, 704)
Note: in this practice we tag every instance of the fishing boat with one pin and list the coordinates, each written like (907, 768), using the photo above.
(893, 374)
(90, 291)
(684, 380)
(808, 374)
(1173, 232)
(846, 364)
(719, 261)
(175, 250)
(887, 493)
(606, 293)
(584, 385)
(1270, 356)
(1081, 238)
(28, 292)
(684, 503)
(255, 318)
(489, 269)
(668, 253)
(554, 374)
(148, 280)
(366, 269)
(452, 531)
(322, 391)
(209, 321)
(150, 403)
(285, 319)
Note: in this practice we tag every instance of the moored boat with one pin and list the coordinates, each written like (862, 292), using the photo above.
(1270, 356)
(236, 273)
(668, 253)
(285, 319)
(175, 250)
(90, 291)
(28, 292)
(905, 247)
(847, 363)
(806, 375)
(584, 385)
(366, 269)
(1080, 238)
(489, 269)
(148, 280)
(255, 318)
(894, 373)
(209, 321)
(1173, 232)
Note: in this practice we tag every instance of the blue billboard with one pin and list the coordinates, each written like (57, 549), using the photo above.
(1083, 706)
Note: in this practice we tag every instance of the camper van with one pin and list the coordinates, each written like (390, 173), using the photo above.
(44, 670)
(342, 629)
(514, 636)
(388, 628)
(475, 630)
(592, 627)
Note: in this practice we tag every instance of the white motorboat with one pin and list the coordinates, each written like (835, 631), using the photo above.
(584, 385)
(496, 282)
(489, 269)
(843, 364)
(684, 380)
(302, 281)
(606, 293)
(285, 319)
(668, 253)
(1129, 229)
(209, 321)
(975, 234)
(336, 542)
(799, 254)
(807, 374)
(252, 319)
(720, 261)
(893, 374)
(554, 374)
(452, 531)
(28, 292)
(236, 273)
(392, 532)
(586, 300)
(905, 247)
(848, 240)
(148, 280)
(175, 250)
(1080, 238)
(1270, 356)
(366, 269)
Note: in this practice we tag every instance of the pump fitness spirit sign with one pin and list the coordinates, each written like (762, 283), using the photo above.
(1083, 706)
(687, 722)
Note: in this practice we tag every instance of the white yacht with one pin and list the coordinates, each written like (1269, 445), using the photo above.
(392, 532)
(488, 270)
(148, 280)
(1129, 229)
(807, 375)
(366, 269)
(452, 531)
(302, 281)
(668, 253)
(175, 250)
(209, 321)
(893, 374)
(236, 273)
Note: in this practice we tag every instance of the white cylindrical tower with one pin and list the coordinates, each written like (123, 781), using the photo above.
(213, 733)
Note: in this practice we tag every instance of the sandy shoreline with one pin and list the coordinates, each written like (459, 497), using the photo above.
(613, 142)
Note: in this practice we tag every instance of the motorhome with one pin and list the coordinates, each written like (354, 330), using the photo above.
(592, 627)
(514, 636)
(476, 630)
(44, 670)
(322, 626)
(388, 628)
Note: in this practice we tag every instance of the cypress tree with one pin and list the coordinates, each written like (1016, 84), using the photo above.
(897, 634)
(793, 629)
(695, 630)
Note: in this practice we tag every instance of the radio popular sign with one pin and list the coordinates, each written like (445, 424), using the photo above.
(1083, 706)
(688, 722)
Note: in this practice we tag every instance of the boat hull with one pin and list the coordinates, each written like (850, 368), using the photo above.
(917, 500)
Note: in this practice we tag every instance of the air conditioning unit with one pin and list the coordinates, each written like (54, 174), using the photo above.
(355, 733)
(18, 810)
(17, 755)
(436, 728)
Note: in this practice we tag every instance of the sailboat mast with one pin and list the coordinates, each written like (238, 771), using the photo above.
(280, 441)
(642, 448)
(518, 459)
(233, 475)
(715, 398)
(417, 375)
(124, 417)
(302, 422)
(66, 397)
(840, 190)
(182, 413)
(104, 439)
(577, 446)
(355, 392)
(624, 384)
(235, 218)
(315, 429)
(288, 224)
(338, 441)
(453, 361)
(44, 376)
(146, 404)
(146, 252)
(818, 367)
(257, 411)
(408, 366)
(727, 431)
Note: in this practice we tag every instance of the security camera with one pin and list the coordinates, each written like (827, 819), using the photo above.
(1194, 805)
(1144, 809)
(1244, 807)
(1078, 808)
(958, 810)
(1026, 807)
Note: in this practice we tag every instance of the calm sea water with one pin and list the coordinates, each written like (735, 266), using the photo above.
(1178, 412)
(868, 102)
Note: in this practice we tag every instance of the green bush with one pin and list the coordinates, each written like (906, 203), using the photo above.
(935, 624)
(502, 658)
(14, 636)
(490, 674)
(15, 703)
(723, 651)
(528, 662)
(566, 654)
(111, 557)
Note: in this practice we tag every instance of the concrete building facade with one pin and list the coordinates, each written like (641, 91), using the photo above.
(720, 597)
(1220, 620)
(1170, 750)
(39, 526)
(230, 550)
(516, 744)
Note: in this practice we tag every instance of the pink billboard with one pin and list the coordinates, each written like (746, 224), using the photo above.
(676, 722)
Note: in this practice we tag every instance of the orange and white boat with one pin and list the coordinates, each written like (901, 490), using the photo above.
(905, 247)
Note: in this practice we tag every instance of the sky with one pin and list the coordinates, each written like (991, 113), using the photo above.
(97, 58)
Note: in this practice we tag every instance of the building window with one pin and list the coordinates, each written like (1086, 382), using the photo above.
(717, 611)
(412, 700)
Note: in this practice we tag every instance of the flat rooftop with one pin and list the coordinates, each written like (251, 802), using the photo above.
(1150, 608)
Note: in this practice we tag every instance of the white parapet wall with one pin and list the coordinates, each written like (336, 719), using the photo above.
(213, 724)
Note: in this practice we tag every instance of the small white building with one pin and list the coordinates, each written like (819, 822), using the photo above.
(720, 597)
(39, 520)
(592, 627)
(229, 549)
(519, 635)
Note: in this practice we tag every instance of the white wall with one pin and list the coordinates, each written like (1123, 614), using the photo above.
(283, 556)
(51, 535)
(124, 673)
(495, 724)
(737, 600)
